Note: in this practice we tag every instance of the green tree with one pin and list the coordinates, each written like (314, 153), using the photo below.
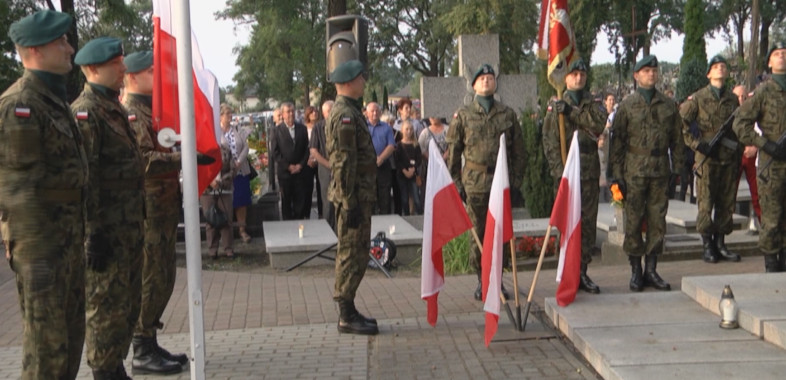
(587, 17)
(385, 98)
(537, 188)
(693, 46)
(693, 76)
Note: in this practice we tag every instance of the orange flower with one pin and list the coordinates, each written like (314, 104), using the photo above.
(616, 194)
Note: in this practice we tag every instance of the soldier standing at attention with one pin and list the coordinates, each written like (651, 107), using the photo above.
(474, 133)
(646, 128)
(115, 209)
(43, 171)
(588, 116)
(703, 114)
(766, 107)
(162, 202)
(353, 163)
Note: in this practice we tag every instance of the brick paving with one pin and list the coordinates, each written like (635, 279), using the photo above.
(273, 325)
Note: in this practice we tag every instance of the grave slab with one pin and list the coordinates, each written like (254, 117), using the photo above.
(285, 248)
(760, 370)
(775, 333)
(681, 217)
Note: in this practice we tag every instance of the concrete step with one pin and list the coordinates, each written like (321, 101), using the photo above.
(653, 335)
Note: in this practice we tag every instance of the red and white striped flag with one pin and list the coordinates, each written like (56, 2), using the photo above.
(449, 220)
(166, 109)
(556, 41)
(499, 230)
(566, 216)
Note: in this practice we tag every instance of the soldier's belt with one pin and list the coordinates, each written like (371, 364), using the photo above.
(121, 184)
(479, 168)
(367, 170)
(648, 152)
(60, 195)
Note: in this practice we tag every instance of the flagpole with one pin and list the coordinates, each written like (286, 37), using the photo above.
(562, 145)
(182, 26)
(515, 282)
(501, 296)
(535, 277)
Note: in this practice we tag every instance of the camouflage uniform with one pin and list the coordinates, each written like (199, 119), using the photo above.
(703, 114)
(162, 202)
(474, 134)
(115, 207)
(766, 107)
(590, 120)
(642, 136)
(353, 184)
(43, 173)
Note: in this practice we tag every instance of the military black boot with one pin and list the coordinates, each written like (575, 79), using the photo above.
(121, 374)
(710, 254)
(725, 254)
(148, 361)
(351, 322)
(771, 264)
(636, 277)
(478, 289)
(651, 277)
(585, 283)
(181, 359)
(99, 374)
(368, 320)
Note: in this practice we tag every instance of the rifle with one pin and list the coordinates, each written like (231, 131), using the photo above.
(765, 176)
(719, 138)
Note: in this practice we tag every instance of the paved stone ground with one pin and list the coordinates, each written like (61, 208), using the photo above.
(261, 323)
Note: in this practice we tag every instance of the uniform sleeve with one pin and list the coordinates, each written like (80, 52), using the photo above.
(688, 112)
(745, 122)
(344, 158)
(551, 145)
(677, 145)
(455, 140)
(618, 143)
(517, 153)
(591, 118)
(92, 135)
(155, 162)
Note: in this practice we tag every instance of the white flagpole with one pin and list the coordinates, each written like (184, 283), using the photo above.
(182, 31)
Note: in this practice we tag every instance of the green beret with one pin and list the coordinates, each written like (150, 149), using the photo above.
(776, 46)
(40, 28)
(136, 62)
(716, 59)
(579, 65)
(346, 71)
(98, 51)
(482, 69)
(648, 61)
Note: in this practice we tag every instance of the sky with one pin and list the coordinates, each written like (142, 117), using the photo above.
(666, 50)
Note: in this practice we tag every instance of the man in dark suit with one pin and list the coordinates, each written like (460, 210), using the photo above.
(290, 151)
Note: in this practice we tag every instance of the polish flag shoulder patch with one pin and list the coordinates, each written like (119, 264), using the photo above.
(132, 117)
(346, 120)
(81, 115)
(22, 112)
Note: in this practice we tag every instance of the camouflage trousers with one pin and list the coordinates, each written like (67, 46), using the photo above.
(590, 194)
(716, 190)
(645, 200)
(351, 252)
(52, 299)
(114, 298)
(772, 198)
(158, 273)
(477, 209)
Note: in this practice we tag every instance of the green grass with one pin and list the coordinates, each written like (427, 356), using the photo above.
(456, 255)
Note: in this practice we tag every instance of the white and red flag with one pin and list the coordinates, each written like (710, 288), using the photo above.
(566, 216)
(556, 41)
(166, 111)
(499, 230)
(444, 218)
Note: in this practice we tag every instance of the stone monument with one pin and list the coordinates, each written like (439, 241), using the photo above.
(441, 97)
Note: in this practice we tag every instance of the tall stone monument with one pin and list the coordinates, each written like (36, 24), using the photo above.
(441, 97)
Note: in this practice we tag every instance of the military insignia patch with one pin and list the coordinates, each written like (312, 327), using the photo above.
(22, 112)
(132, 117)
(548, 109)
(345, 120)
(81, 115)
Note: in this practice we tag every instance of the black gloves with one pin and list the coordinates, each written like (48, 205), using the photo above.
(561, 106)
(203, 159)
(705, 149)
(775, 150)
(97, 252)
(353, 217)
(462, 194)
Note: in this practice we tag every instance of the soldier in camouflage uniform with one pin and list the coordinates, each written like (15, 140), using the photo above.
(352, 190)
(115, 209)
(474, 133)
(43, 171)
(588, 116)
(766, 108)
(162, 202)
(646, 129)
(703, 114)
